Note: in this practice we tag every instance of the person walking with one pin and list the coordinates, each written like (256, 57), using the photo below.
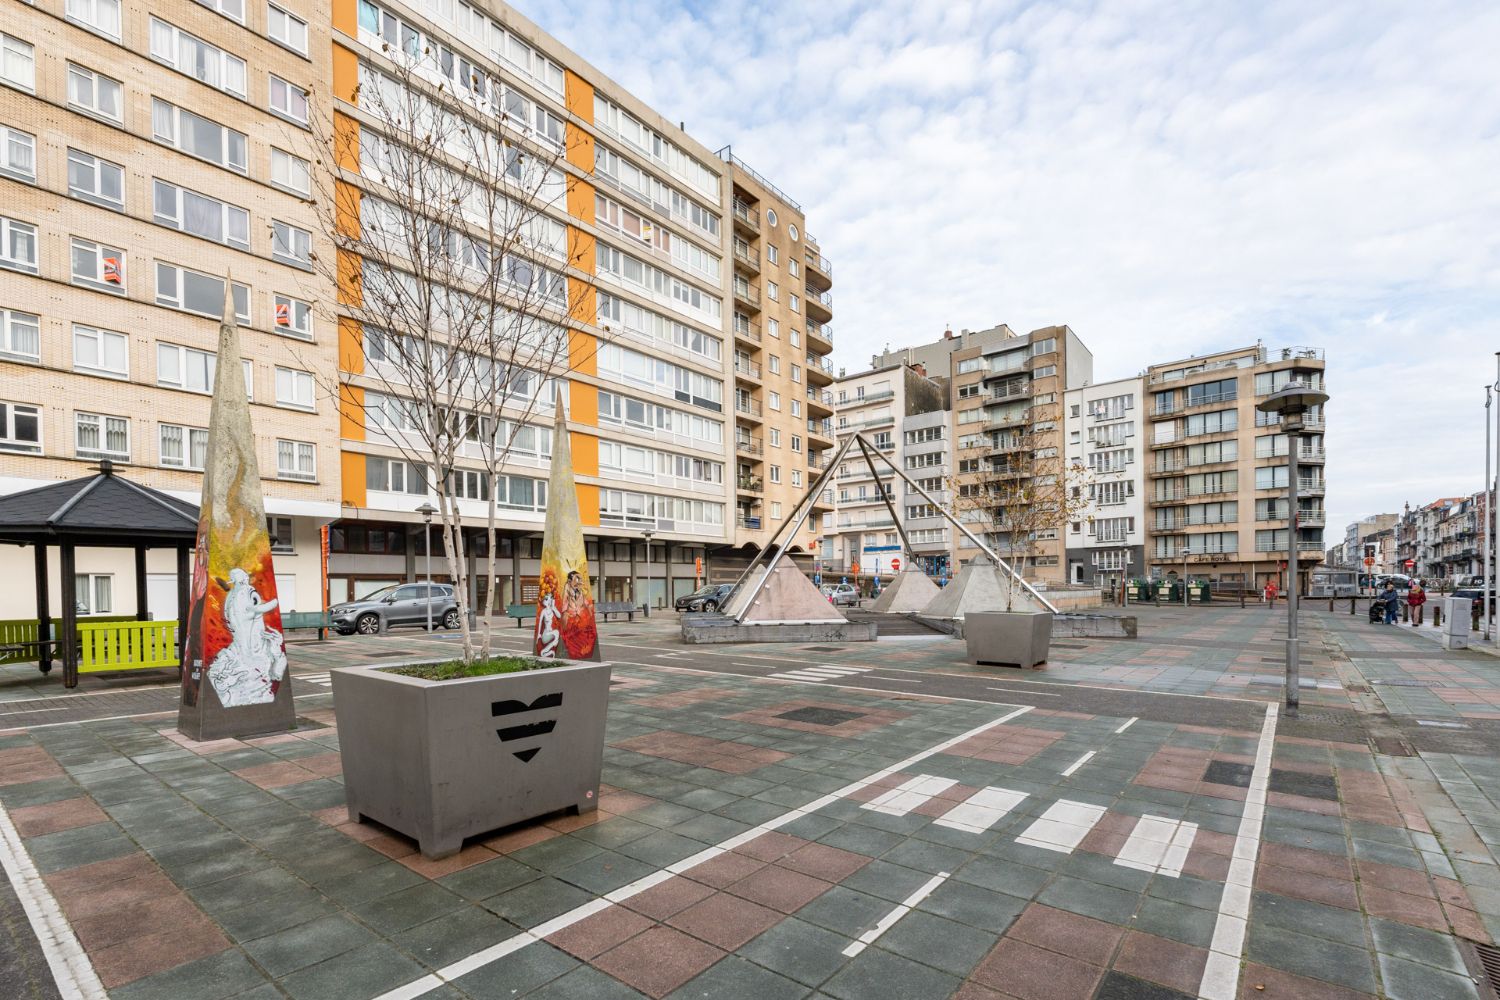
(1392, 601)
(1269, 596)
(1415, 598)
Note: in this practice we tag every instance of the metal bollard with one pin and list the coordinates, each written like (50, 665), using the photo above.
(1405, 613)
(1330, 604)
(1437, 616)
(1474, 618)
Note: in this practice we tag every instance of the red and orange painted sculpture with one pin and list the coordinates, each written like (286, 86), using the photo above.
(234, 676)
(565, 625)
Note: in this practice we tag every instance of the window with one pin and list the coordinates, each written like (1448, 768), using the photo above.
(198, 59)
(293, 316)
(98, 266)
(792, 268)
(201, 215)
(17, 245)
(20, 336)
(794, 337)
(197, 136)
(21, 428)
(773, 291)
(773, 328)
(102, 352)
(773, 363)
(794, 303)
(796, 407)
(283, 27)
(96, 436)
(294, 388)
(93, 593)
(101, 16)
(283, 536)
(290, 172)
(796, 443)
(796, 477)
(17, 154)
(774, 438)
(771, 217)
(288, 100)
(773, 400)
(17, 63)
(183, 447)
(1043, 371)
(291, 245)
(186, 368)
(190, 291)
(232, 9)
(1212, 392)
(296, 460)
(392, 475)
(791, 230)
(773, 253)
(96, 180)
(775, 473)
(468, 484)
(96, 94)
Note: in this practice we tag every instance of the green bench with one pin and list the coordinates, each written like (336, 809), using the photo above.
(520, 612)
(307, 620)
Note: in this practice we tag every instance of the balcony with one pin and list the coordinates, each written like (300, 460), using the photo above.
(819, 269)
(1013, 391)
(750, 522)
(819, 305)
(819, 370)
(1165, 408)
(749, 484)
(821, 428)
(818, 463)
(1020, 419)
(747, 331)
(747, 295)
(1312, 519)
(1164, 464)
(748, 445)
(746, 218)
(822, 332)
(873, 397)
(747, 369)
(1311, 487)
(746, 259)
(820, 400)
(747, 407)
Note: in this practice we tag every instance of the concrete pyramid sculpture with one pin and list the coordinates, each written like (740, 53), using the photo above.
(234, 676)
(909, 592)
(565, 623)
(788, 597)
(980, 586)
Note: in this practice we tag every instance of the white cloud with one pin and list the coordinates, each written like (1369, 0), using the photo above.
(1167, 178)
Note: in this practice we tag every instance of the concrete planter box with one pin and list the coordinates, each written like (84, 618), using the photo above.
(1020, 638)
(443, 760)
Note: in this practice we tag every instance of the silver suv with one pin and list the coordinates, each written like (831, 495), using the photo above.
(401, 604)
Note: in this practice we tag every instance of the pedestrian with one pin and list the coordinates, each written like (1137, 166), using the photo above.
(1269, 596)
(1391, 602)
(1415, 598)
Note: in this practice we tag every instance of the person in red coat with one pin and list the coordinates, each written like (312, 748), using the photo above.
(1415, 598)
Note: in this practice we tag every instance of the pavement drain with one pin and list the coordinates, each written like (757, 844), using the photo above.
(1484, 959)
(1392, 746)
(1223, 772)
(820, 716)
(1313, 786)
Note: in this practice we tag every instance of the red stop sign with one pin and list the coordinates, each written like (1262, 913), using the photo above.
(1410, 563)
(895, 565)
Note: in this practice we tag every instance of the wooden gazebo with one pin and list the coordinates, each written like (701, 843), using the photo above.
(100, 511)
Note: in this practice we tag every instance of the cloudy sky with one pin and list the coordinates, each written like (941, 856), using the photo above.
(1167, 178)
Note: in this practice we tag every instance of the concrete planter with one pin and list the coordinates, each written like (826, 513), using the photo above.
(444, 760)
(1020, 638)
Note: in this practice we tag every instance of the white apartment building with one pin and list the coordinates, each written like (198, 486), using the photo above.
(1105, 429)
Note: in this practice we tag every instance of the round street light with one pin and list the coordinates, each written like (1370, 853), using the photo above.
(1290, 405)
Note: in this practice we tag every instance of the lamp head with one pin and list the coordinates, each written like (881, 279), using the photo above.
(427, 510)
(1292, 401)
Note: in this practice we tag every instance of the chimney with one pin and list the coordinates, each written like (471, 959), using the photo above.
(920, 369)
(948, 334)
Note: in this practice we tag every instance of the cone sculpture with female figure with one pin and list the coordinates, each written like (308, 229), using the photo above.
(234, 674)
(565, 625)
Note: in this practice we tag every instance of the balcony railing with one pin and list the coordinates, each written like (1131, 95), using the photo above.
(749, 484)
(823, 331)
(750, 521)
(873, 397)
(747, 330)
(746, 367)
(824, 398)
(1011, 391)
(818, 261)
(823, 428)
(748, 257)
(748, 445)
(749, 216)
(751, 407)
(824, 299)
(747, 294)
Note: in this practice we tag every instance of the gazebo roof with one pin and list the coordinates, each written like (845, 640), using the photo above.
(99, 510)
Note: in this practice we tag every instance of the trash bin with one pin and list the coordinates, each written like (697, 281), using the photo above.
(1170, 593)
(1141, 591)
(1199, 592)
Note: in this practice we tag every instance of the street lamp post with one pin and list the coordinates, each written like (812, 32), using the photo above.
(1291, 404)
(427, 510)
(647, 535)
(1185, 551)
(1484, 518)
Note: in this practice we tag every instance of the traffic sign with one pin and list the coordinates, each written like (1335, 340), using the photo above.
(1369, 562)
(895, 565)
(1411, 563)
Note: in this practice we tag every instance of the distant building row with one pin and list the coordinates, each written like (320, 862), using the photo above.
(1177, 464)
(1441, 540)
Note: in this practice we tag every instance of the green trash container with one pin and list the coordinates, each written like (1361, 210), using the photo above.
(1199, 593)
(1171, 593)
(1141, 591)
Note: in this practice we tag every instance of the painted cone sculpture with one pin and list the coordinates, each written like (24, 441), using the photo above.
(565, 626)
(234, 678)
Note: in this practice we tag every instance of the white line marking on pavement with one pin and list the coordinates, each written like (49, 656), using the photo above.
(463, 966)
(981, 810)
(1063, 826)
(70, 964)
(1029, 694)
(904, 798)
(1068, 772)
(1158, 844)
(886, 922)
(1127, 724)
(822, 674)
(1221, 975)
(80, 722)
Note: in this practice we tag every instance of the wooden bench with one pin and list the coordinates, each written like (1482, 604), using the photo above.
(520, 612)
(309, 620)
(606, 608)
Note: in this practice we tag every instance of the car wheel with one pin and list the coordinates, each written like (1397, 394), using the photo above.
(710, 605)
(367, 624)
(450, 618)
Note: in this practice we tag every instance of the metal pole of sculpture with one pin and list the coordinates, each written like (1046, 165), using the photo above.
(234, 676)
(565, 625)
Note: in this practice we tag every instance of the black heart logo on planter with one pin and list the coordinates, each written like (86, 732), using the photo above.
(526, 729)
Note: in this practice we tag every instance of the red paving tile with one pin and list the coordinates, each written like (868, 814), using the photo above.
(146, 955)
(1423, 912)
(675, 894)
(1159, 960)
(597, 934)
(94, 876)
(1305, 860)
(1306, 885)
(725, 870)
(1396, 878)
(771, 846)
(278, 774)
(725, 921)
(54, 817)
(824, 862)
(329, 765)
(1027, 972)
(1084, 938)
(467, 858)
(514, 840)
(780, 888)
(658, 961)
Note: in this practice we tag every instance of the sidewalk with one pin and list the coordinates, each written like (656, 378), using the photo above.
(887, 823)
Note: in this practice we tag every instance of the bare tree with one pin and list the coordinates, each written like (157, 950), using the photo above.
(442, 202)
(1024, 489)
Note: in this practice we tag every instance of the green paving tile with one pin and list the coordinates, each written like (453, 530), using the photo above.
(1313, 957)
(1304, 917)
(878, 973)
(1416, 944)
(453, 936)
(516, 974)
(554, 855)
(531, 904)
(584, 983)
(1091, 899)
(408, 907)
(973, 905)
(944, 944)
(799, 950)
(735, 977)
(226, 974)
(1410, 981)
(307, 944)
(354, 975)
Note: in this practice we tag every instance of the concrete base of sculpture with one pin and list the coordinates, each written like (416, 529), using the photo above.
(910, 591)
(711, 629)
(443, 760)
(788, 598)
(980, 586)
(1014, 638)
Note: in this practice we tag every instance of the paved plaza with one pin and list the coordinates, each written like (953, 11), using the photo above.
(1138, 819)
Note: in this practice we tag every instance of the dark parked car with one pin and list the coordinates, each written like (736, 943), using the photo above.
(1475, 594)
(709, 598)
(401, 604)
